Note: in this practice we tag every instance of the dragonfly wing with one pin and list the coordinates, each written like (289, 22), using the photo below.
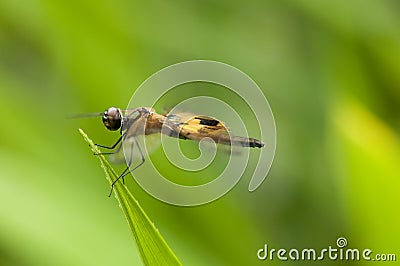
(187, 126)
(200, 127)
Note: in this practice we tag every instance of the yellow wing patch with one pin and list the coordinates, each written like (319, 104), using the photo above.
(199, 127)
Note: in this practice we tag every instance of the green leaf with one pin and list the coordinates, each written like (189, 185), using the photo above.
(153, 249)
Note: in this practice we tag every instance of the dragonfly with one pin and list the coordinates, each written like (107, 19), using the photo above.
(143, 121)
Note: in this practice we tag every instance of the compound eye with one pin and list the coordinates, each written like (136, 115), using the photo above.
(112, 118)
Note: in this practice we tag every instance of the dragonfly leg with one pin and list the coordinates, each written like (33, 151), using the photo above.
(128, 169)
(110, 148)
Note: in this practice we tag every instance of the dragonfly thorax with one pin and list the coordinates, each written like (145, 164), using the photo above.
(112, 118)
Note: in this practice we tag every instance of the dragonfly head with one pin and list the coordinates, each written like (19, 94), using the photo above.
(112, 118)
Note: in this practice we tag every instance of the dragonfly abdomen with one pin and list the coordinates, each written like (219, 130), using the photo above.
(242, 141)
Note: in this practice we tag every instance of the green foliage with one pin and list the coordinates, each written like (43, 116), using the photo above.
(151, 245)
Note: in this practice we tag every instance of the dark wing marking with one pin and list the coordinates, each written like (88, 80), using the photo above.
(207, 121)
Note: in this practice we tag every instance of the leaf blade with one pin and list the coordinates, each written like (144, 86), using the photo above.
(153, 248)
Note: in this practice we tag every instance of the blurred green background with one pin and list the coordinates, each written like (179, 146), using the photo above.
(331, 73)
